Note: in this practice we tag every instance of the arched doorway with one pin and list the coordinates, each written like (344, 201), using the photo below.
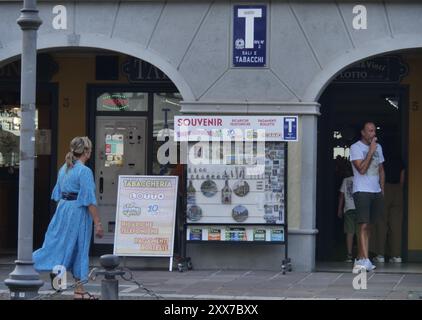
(88, 84)
(378, 89)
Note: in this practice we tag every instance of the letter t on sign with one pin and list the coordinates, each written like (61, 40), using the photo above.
(249, 15)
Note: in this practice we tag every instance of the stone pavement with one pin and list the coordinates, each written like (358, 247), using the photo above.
(245, 285)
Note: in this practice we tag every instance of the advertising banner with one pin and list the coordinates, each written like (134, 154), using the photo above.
(236, 128)
(145, 216)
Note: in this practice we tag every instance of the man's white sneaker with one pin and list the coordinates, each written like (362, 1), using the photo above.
(395, 259)
(379, 258)
(368, 264)
(359, 265)
(364, 264)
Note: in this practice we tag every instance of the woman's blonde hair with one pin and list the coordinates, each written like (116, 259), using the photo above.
(78, 146)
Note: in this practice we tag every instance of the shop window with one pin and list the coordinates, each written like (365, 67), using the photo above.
(10, 125)
(123, 102)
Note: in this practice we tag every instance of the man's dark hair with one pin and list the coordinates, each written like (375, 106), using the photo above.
(365, 123)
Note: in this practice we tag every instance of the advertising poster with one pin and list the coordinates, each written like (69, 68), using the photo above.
(145, 216)
(259, 235)
(277, 235)
(236, 234)
(214, 234)
(195, 234)
(114, 150)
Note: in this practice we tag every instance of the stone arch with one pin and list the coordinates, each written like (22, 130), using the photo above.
(374, 48)
(11, 51)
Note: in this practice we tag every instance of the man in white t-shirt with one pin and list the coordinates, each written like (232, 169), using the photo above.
(368, 187)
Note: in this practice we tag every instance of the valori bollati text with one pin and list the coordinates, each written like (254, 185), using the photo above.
(153, 244)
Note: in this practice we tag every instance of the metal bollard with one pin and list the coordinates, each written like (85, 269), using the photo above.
(109, 285)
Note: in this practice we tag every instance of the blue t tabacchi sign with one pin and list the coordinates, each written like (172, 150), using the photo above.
(249, 36)
(290, 128)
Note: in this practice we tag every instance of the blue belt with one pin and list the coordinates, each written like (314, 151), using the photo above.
(69, 196)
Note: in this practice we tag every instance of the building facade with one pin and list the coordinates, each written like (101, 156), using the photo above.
(190, 46)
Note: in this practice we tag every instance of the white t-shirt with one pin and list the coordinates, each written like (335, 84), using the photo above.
(370, 181)
(347, 189)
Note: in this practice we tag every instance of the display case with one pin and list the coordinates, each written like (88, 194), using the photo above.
(236, 186)
(237, 199)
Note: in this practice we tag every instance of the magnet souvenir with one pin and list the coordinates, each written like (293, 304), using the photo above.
(269, 218)
(194, 213)
(241, 188)
(239, 213)
(208, 188)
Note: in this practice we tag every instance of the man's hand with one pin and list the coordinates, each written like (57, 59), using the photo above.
(340, 214)
(373, 145)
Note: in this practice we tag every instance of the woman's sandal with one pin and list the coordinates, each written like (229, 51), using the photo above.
(84, 296)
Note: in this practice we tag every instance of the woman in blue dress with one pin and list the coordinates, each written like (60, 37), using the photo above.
(69, 233)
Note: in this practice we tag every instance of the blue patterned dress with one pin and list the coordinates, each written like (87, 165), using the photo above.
(69, 233)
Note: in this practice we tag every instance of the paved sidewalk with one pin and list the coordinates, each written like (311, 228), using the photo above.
(240, 284)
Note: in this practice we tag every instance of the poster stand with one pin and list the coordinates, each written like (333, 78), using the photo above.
(145, 217)
(236, 180)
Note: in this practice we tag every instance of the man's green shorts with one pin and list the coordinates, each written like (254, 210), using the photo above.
(369, 206)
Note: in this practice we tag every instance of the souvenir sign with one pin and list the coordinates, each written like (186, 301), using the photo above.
(235, 128)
